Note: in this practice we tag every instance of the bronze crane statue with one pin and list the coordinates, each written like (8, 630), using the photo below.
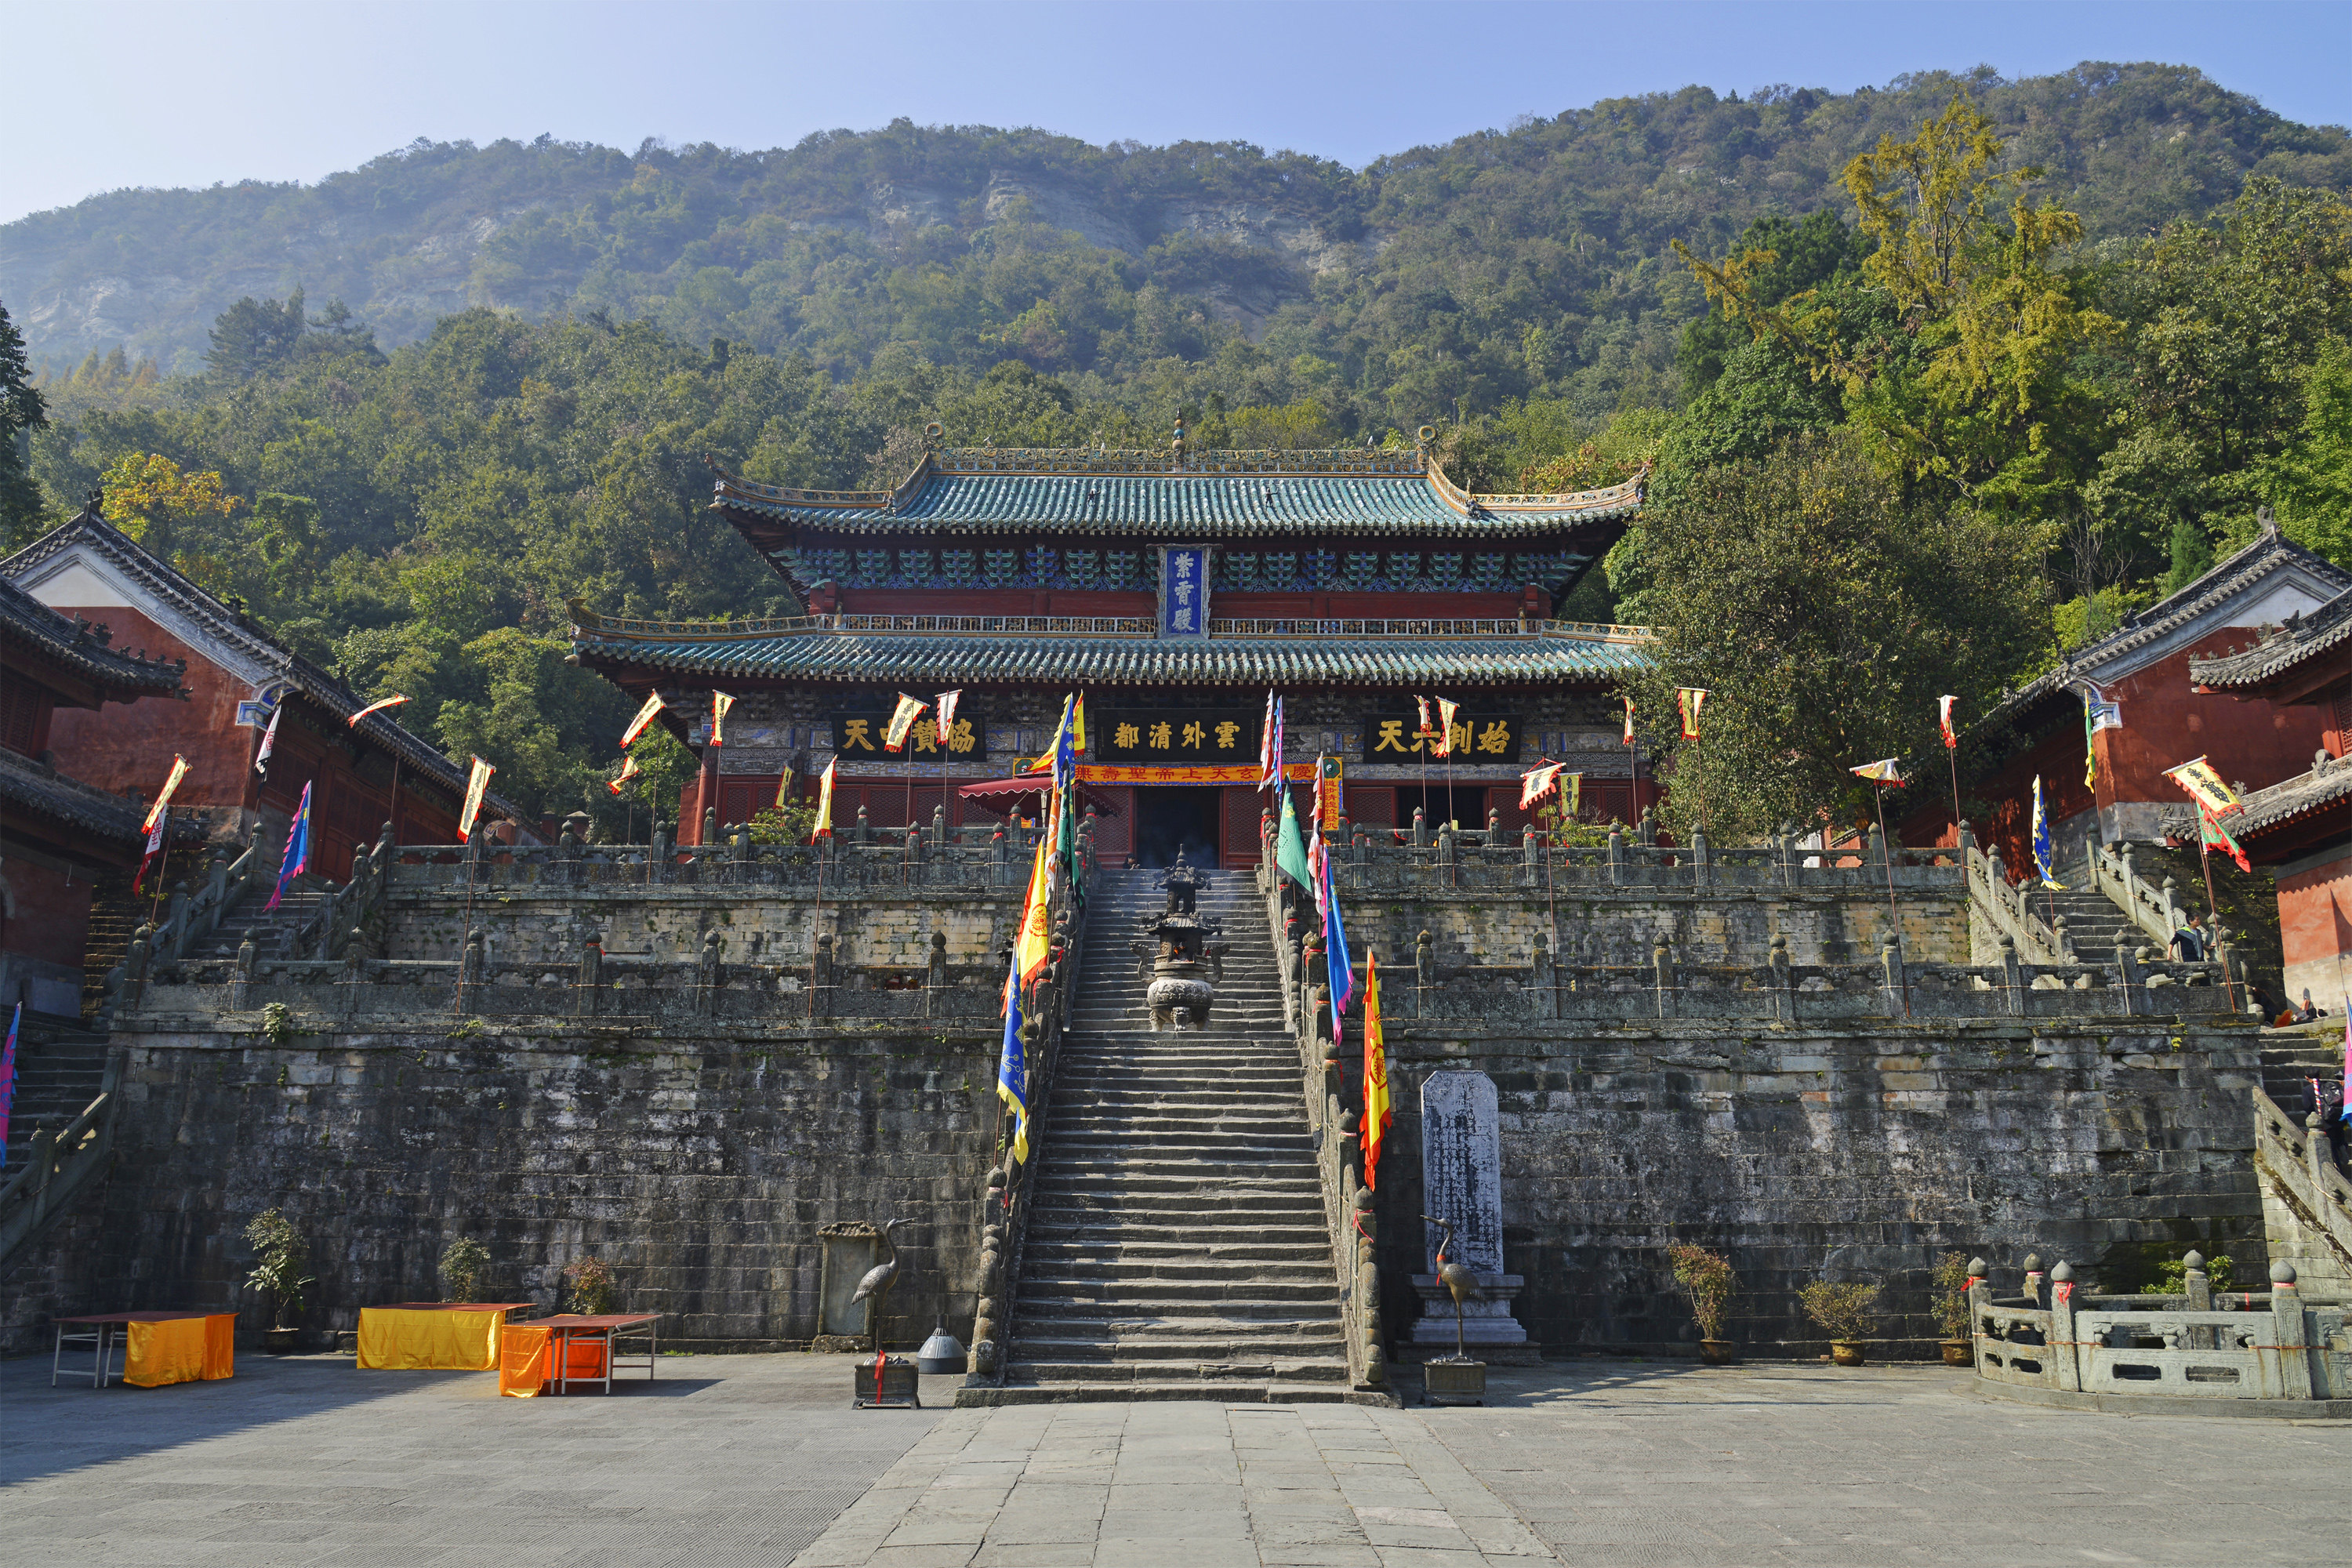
(1459, 1282)
(875, 1284)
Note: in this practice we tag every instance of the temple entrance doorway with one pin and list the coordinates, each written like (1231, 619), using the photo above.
(1173, 818)
(1464, 804)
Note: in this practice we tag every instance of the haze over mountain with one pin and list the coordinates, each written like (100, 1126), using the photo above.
(1489, 266)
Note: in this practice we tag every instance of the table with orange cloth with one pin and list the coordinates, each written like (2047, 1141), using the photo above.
(158, 1347)
(433, 1336)
(550, 1355)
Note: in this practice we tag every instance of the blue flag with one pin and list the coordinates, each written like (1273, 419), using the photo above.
(9, 1078)
(297, 858)
(1013, 1068)
(1335, 953)
(2043, 854)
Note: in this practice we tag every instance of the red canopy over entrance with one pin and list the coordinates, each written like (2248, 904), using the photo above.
(1002, 796)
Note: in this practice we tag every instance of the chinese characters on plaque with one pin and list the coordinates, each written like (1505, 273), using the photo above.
(857, 735)
(1483, 738)
(1184, 591)
(1177, 735)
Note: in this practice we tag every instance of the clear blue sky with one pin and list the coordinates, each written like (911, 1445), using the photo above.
(181, 93)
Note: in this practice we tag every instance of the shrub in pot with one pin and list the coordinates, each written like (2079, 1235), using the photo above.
(591, 1286)
(1708, 1277)
(1846, 1314)
(1951, 1279)
(465, 1269)
(279, 1255)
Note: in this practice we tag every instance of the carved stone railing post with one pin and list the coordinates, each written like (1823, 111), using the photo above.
(1371, 1339)
(935, 984)
(709, 974)
(354, 981)
(1531, 857)
(1701, 871)
(2197, 1290)
(588, 983)
(135, 961)
(1425, 964)
(2063, 1349)
(470, 967)
(1784, 990)
(1420, 828)
(2012, 978)
(660, 856)
(863, 833)
(1616, 857)
(2286, 1319)
(1890, 974)
(240, 991)
(2129, 970)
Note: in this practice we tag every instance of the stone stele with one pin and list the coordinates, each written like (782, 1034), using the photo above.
(1462, 1181)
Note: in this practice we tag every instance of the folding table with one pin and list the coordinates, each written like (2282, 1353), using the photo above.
(162, 1355)
(570, 1334)
(423, 1336)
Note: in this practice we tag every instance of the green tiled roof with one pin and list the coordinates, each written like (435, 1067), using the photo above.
(1213, 495)
(1124, 661)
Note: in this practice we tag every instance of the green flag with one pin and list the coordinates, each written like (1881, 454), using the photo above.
(1290, 848)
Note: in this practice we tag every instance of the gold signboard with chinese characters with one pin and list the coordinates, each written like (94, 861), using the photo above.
(1477, 738)
(1177, 737)
(859, 737)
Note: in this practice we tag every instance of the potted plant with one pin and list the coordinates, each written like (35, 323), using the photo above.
(1708, 1277)
(1951, 1279)
(591, 1285)
(1846, 1314)
(279, 1255)
(464, 1265)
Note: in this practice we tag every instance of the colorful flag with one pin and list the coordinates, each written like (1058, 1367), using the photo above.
(2214, 837)
(1013, 1066)
(1377, 1115)
(823, 828)
(783, 788)
(2043, 854)
(375, 707)
(297, 858)
(2198, 779)
(477, 783)
(1268, 768)
(1289, 849)
(1538, 782)
(9, 1078)
(1944, 722)
(1335, 955)
(2098, 714)
(1331, 800)
(1886, 771)
(1422, 703)
(163, 798)
(153, 851)
(628, 771)
(902, 721)
(1036, 941)
(946, 710)
(720, 703)
(268, 739)
(1078, 723)
(1629, 719)
(1575, 794)
(1690, 698)
(645, 717)
(1445, 711)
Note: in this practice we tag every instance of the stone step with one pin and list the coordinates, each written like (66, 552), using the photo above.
(1177, 1342)
(1071, 1263)
(1284, 1369)
(1096, 1392)
(1173, 1246)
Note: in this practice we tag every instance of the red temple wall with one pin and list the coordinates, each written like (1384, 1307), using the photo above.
(2315, 932)
(128, 746)
(48, 917)
(2166, 722)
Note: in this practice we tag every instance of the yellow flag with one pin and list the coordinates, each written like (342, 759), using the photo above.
(2198, 777)
(645, 717)
(824, 804)
(1377, 1115)
(628, 770)
(720, 703)
(1036, 922)
(477, 783)
(179, 772)
(902, 719)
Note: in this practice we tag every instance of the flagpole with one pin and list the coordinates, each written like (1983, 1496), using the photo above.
(163, 863)
(1552, 894)
(2212, 909)
(393, 812)
(1893, 916)
(816, 919)
(457, 1007)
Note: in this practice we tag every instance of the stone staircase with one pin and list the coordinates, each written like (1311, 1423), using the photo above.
(1176, 1247)
(272, 930)
(59, 1066)
(2094, 924)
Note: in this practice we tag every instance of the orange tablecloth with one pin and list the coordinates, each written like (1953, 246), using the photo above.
(522, 1361)
(180, 1350)
(434, 1339)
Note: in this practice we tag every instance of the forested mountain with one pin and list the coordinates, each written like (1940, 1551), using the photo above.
(1918, 422)
(1532, 261)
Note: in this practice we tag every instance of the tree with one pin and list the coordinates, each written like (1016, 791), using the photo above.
(1971, 386)
(1825, 613)
(253, 337)
(2310, 483)
(21, 411)
(150, 498)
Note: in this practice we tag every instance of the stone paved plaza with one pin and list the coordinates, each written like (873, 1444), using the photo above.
(758, 1459)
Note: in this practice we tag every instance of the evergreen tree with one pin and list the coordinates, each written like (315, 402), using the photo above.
(21, 411)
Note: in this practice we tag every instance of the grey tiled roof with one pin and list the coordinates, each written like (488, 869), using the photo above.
(81, 647)
(2320, 632)
(29, 786)
(1211, 496)
(2328, 787)
(1392, 662)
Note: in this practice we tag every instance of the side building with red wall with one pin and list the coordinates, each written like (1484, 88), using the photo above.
(238, 678)
(2301, 827)
(2144, 667)
(61, 837)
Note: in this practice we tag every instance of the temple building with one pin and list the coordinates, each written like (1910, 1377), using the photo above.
(1175, 589)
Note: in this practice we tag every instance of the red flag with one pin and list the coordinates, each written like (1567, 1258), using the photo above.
(1944, 722)
(2216, 839)
(376, 707)
(154, 849)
